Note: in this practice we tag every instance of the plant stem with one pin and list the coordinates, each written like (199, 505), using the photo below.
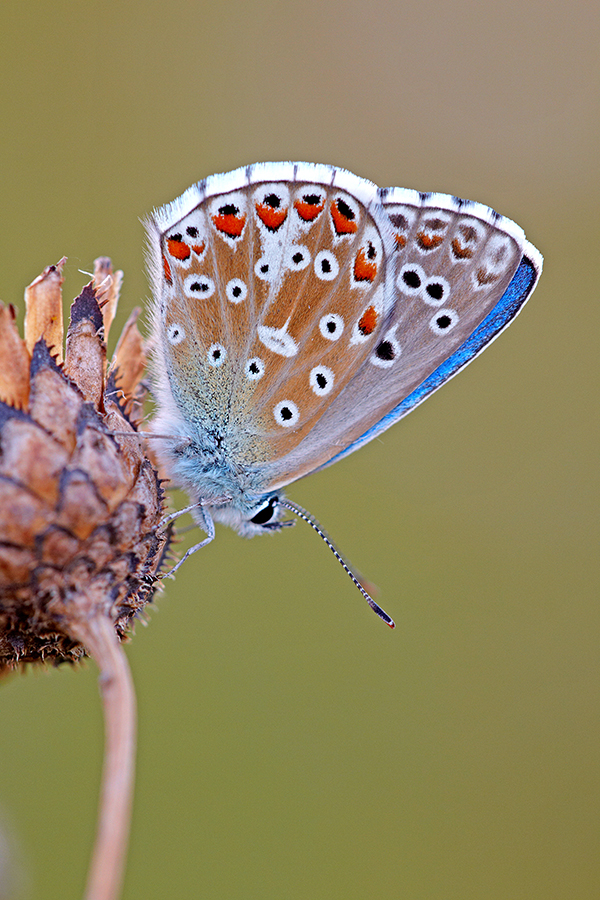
(105, 875)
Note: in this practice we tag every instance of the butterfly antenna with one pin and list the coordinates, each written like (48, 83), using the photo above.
(314, 524)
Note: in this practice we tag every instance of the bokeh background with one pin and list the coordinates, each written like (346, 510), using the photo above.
(291, 747)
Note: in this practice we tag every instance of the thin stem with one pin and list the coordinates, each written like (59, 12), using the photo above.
(105, 875)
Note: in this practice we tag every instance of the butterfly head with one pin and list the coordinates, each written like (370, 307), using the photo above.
(261, 516)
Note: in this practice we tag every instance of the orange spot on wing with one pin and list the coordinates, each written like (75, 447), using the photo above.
(400, 241)
(368, 320)
(178, 249)
(343, 224)
(429, 241)
(459, 251)
(229, 223)
(308, 211)
(272, 218)
(199, 248)
(364, 268)
(167, 270)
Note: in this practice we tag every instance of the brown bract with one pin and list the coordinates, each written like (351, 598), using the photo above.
(80, 502)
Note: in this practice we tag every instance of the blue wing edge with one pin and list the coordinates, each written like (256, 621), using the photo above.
(510, 305)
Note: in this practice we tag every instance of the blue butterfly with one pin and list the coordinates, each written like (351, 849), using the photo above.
(300, 311)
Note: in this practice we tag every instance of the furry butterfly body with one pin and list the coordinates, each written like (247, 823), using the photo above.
(300, 311)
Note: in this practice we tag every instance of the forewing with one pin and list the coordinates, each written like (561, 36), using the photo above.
(272, 296)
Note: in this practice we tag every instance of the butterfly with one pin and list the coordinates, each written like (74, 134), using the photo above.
(299, 311)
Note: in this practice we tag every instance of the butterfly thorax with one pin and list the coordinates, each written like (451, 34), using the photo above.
(209, 460)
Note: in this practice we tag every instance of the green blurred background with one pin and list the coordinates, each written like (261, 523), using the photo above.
(291, 747)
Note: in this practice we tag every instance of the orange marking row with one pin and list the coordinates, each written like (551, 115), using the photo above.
(230, 224)
(167, 270)
(459, 251)
(429, 241)
(178, 249)
(309, 211)
(272, 218)
(368, 320)
(364, 269)
(341, 223)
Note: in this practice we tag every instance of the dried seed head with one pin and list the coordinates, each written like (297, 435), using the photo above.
(80, 504)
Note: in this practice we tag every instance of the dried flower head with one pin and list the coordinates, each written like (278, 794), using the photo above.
(80, 502)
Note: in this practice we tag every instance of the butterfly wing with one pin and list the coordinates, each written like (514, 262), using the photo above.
(459, 274)
(510, 304)
(301, 311)
(271, 295)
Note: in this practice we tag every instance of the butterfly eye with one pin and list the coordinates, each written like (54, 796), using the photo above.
(365, 267)
(266, 513)
(326, 266)
(443, 321)
(199, 286)
(272, 211)
(463, 246)
(428, 237)
(192, 234)
(331, 326)
(236, 291)
(229, 220)
(216, 355)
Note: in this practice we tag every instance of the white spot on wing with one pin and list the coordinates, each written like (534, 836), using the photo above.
(443, 321)
(326, 266)
(331, 326)
(175, 333)
(286, 413)
(236, 290)
(216, 355)
(277, 340)
(199, 287)
(321, 380)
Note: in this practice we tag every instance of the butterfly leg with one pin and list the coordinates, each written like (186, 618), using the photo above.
(200, 505)
(204, 520)
(179, 512)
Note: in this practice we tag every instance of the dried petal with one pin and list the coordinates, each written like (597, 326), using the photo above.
(85, 357)
(44, 316)
(14, 378)
(108, 289)
(129, 365)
